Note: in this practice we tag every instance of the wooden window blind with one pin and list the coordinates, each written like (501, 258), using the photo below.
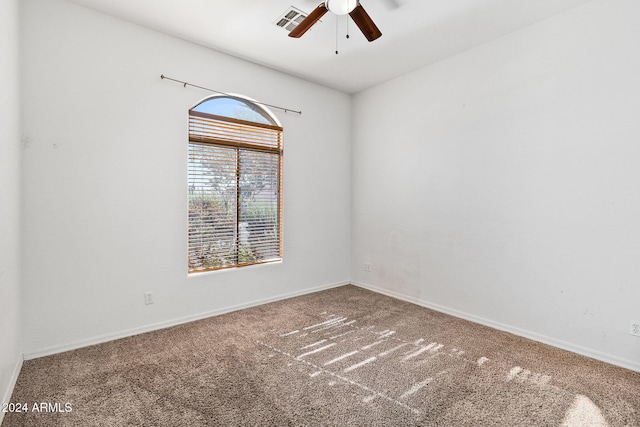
(235, 200)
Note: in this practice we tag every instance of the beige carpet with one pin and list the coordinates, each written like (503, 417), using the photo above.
(342, 357)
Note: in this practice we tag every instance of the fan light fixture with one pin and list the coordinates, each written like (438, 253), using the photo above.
(353, 8)
(341, 7)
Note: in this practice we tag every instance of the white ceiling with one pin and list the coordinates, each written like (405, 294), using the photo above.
(415, 32)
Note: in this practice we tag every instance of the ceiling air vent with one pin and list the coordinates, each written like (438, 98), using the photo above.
(290, 18)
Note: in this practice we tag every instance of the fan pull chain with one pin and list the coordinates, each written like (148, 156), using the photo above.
(337, 19)
(347, 26)
(338, 31)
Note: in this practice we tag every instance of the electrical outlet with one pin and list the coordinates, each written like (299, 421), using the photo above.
(148, 298)
(635, 328)
(366, 266)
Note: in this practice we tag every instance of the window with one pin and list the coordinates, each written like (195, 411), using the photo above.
(235, 182)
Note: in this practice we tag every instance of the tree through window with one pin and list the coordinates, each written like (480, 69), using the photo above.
(235, 200)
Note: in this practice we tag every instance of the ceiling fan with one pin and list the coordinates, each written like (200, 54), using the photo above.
(340, 7)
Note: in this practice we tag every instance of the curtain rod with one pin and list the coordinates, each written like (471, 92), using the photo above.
(185, 84)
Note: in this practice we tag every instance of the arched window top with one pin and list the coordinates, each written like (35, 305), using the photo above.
(236, 107)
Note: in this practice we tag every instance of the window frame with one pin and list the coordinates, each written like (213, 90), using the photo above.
(240, 147)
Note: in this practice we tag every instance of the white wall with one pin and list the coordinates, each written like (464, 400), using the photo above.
(501, 184)
(10, 340)
(106, 179)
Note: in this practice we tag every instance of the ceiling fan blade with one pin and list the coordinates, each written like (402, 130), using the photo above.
(308, 22)
(365, 23)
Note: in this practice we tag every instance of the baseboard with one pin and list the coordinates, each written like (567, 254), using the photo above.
(173, 322)
(564, 345)
(6, 397)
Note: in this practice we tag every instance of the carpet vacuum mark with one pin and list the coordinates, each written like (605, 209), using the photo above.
(417, 376)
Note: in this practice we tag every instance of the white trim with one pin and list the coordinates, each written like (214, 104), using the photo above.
(169, 323)
(6, 398)
(564, 345)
